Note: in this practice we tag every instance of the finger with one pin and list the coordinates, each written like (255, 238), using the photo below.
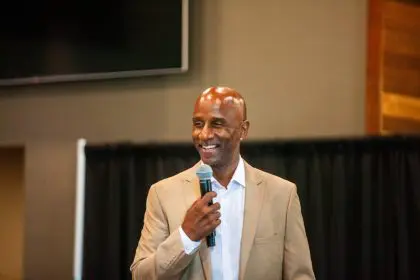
(209, 219)
(214, 216)
(212, 208)
(203, 201)
(211, 226)
(208, 197)
(202, 209)
(215, 206)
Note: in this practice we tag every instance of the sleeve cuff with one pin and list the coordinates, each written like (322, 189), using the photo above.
(190, 246)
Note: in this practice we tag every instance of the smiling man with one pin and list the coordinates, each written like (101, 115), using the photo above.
(260, 233)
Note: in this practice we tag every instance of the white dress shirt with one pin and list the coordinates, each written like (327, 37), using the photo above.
(225, 256)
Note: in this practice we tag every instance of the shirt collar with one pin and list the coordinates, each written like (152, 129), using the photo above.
(239, 175)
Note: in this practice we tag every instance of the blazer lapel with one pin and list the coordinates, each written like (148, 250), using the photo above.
(254, 194)
(191, 193)
(191, 188)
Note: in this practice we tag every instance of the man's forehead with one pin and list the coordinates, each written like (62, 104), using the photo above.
(217, 108)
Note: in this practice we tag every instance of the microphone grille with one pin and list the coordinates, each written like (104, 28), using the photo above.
(204, 172)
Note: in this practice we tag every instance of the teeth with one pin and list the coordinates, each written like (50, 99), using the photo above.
(209, 147)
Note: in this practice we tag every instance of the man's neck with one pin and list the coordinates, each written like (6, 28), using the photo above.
(225, 173)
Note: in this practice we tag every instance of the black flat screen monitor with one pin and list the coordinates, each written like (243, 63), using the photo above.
(44, 41)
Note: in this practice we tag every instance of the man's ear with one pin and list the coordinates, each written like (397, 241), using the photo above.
(244, 129)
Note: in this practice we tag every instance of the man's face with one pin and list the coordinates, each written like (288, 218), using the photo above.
(217, 129)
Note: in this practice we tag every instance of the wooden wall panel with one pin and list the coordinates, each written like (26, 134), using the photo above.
(397, 43)
(401, 74)
(374, 51)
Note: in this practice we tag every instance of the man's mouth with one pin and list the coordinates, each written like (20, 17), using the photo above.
(208, 148)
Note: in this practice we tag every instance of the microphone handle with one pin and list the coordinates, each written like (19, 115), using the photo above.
(211, 239)
(205, 187)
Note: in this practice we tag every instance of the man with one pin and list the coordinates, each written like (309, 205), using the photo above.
(260, 233)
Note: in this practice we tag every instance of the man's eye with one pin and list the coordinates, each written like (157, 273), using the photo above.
(198, 124)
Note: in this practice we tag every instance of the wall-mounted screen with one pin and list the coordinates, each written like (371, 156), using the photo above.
(46, 41)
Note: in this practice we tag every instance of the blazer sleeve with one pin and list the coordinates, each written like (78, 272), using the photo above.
(159, 254)
(297, 258)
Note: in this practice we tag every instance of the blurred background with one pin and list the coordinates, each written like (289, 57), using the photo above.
(330, 86)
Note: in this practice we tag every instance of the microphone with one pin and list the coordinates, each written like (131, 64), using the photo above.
(204, 173)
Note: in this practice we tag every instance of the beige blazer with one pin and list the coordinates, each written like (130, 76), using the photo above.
(274, 243)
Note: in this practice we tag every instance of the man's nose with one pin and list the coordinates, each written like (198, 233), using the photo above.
(206, 133)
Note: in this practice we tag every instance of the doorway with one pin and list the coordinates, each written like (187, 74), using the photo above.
(12, 196)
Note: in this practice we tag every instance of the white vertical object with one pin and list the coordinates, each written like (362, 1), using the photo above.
(79, 210)
(185, 36)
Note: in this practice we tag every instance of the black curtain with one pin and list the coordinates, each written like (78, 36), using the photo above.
(360, 201)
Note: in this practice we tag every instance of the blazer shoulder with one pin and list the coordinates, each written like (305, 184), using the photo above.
(275, 182)
(172, 182)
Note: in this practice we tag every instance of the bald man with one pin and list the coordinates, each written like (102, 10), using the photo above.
(260, 232)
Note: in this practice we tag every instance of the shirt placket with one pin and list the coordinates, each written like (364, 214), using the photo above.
(225, 249)
(219, 230)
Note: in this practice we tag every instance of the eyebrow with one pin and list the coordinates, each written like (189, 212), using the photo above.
(213, 119)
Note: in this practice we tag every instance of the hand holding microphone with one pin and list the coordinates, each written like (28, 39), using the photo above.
(203, 216)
